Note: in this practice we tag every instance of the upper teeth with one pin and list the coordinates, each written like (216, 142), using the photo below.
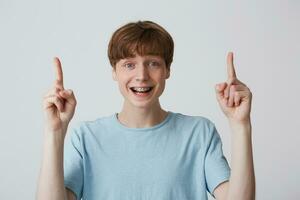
(141, 88)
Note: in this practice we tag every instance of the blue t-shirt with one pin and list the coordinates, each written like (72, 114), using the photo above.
(180, 158)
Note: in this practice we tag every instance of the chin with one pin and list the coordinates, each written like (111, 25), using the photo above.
(142, 104)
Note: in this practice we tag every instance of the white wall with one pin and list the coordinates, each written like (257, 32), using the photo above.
(264, 36)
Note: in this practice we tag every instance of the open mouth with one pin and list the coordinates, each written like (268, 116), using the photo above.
(141, 90)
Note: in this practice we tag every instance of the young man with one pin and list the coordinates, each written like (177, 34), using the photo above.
(145, 152)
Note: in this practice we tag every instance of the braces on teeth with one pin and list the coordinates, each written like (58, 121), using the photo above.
(141, 89)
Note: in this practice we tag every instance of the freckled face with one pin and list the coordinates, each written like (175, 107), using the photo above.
(141, 79)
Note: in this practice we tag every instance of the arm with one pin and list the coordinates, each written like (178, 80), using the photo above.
(50, 183)
(241, 184)
(235, 100)
(51, 178)
(59, 106)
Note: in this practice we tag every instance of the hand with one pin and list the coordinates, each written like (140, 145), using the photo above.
(234, 97)
(59, 104)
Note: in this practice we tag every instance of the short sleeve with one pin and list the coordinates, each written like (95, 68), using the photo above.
(217, 169)
(73, 164)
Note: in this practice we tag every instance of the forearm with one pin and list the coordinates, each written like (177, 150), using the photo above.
(51, 177)
(242, 179)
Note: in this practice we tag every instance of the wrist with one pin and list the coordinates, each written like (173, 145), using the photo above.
(244, 127)
(55, 135)
(244, 122)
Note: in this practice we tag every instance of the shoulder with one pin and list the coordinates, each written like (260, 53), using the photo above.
(193, 120)
(195, 124)
(82, 128)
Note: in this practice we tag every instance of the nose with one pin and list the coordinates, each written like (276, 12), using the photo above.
(142, 73)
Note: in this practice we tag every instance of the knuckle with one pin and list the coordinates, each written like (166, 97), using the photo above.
(56, 89)
(49, 93)
(57, 99)
(46, 98)
(57, 93)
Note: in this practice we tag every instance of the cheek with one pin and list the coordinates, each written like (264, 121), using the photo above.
(122, 89)
(123, 83)
(162, 86)
(161, 82)
(161, 78)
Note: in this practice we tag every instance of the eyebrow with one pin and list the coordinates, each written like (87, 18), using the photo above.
(152, 56)
(146, 57)
(127, 59)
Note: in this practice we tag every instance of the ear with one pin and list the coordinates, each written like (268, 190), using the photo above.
(114, 73)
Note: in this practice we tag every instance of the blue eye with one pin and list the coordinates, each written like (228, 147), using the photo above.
(129, 65)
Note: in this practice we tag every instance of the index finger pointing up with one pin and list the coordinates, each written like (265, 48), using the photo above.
(58, 73)
(230, 66)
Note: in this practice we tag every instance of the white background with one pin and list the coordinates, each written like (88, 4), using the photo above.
(264, 35)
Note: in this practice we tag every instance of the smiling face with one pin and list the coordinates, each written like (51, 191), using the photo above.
(141, 79)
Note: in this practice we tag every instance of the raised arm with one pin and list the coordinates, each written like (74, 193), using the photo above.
(235, 99)
(59, 107)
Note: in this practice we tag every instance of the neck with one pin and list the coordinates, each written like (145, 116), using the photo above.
(134, 117)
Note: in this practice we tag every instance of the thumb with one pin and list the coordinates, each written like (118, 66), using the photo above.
(68, 95)
(219, 88)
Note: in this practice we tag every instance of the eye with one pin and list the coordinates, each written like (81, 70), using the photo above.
(154, 64)
(129, 65)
